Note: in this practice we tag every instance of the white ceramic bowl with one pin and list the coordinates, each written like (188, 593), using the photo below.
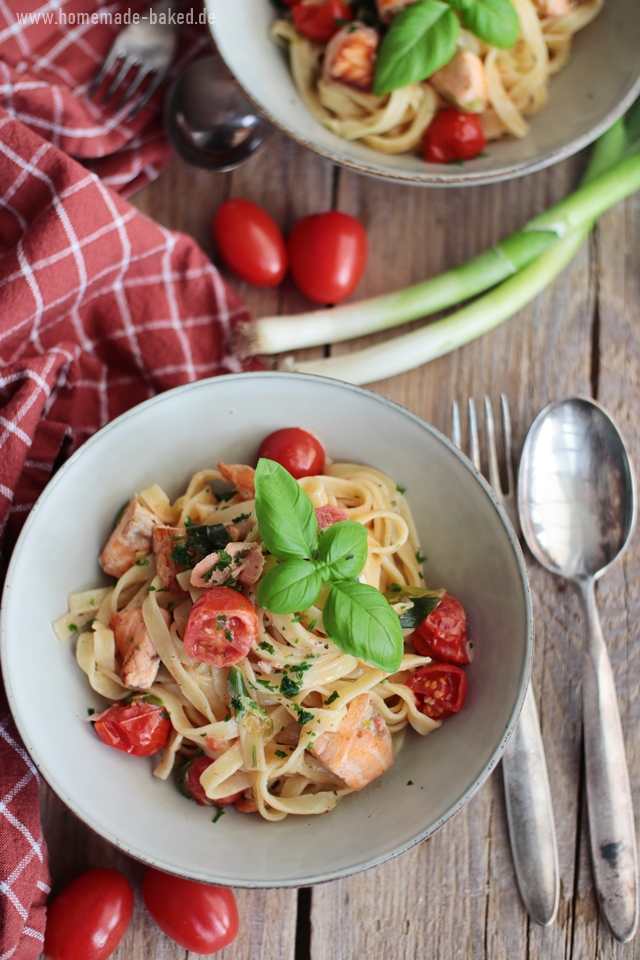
(470, 548)
(601, 80)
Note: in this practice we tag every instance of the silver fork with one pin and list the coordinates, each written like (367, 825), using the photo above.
(148, 47)
(526, 782)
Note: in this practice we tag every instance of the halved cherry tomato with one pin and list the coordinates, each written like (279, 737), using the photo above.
(250, 243)
(139, 728)
(443, 634)
(319, 21)
(453, 135)
(327, 255)
(439, 689)
(221, 627)
(296, 450)
(88, 919)
(197, 916)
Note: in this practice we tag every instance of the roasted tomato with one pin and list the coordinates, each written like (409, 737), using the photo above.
(221, 627)
(296, 450)
(453, 135)
(439, 689)
(138, 728)
(199, 917)
(319, 21)
(88, 919)
(443, 634)
(250, 243)
(327, 255)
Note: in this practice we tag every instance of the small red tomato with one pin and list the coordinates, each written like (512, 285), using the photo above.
(453, 135)
(296, 450)
(221, 627)
(250, 243)
(139, 728)
(319, 21)
(197, 916)
(327, 255)
(443, 634)
(440, 689)
(189, 783)
(88, 919)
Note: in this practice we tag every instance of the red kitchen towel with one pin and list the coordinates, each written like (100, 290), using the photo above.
(100, 308)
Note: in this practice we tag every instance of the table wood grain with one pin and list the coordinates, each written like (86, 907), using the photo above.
(453, 896)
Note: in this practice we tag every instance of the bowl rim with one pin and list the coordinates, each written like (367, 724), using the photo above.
(48, 773)
(450, 178)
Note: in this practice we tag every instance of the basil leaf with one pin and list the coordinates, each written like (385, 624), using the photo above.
(360, 621)
(244, 707)
(343, 549)
(286, 518)
(494, 21)
(291, 586)
(421, 39)
(207, 538)
(424, 602)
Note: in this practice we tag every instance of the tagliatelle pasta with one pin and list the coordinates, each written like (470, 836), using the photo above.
(275, 731)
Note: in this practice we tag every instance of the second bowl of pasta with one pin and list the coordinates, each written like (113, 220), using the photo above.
(264, 620)
(369, 85)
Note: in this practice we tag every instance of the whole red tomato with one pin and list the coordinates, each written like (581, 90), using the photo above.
(327, 255)
(88, 919)
(250, 243)
(453, 135)
(197, 916)
(319, 21)
(296, 450)
(139, 728)
(443, 634)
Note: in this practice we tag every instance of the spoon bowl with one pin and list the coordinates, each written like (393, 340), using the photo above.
(577, 506)
(209, 122)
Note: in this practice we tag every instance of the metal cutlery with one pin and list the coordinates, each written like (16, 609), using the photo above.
(526, 782)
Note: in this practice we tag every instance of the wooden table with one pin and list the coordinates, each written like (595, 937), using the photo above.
(453, 896)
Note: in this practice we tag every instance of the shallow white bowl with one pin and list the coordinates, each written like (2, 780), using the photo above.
(600, 82)
(470, 547)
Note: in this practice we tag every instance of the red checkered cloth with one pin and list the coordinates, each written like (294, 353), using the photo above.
(100, 308)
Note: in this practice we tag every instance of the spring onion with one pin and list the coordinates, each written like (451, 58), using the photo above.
(514, 271)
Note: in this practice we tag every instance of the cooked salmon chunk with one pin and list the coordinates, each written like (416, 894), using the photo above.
(462, 81)
(164, 541)
(350, 56)
(241, 476)
(132, 536)
(140, 661)
(553, 8)
(387, 9)
(239, 562)
(360, 749)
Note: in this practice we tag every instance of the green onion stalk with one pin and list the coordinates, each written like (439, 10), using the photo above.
(514, 271)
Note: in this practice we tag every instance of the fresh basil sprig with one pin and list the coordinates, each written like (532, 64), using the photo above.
(423, 601)
(357, 618)
(423, 37)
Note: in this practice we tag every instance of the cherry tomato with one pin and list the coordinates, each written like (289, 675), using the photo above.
(138, 728)
(189, 782)
(453, 135)
(296, 450)
(221, 627)
(439, 689)
(197, 916)
(319, 21)
(443, 634)
(250, 243)
(327, 255)
(88, 919)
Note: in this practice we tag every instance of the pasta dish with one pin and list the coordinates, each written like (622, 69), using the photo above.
(402, 76)
(269, 639)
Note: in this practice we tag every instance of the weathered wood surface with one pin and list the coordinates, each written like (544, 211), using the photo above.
(455, 895)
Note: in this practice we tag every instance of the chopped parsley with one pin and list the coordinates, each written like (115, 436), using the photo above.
(419, 557)
(198, 541)
(142, 560)
(267, 646)
(90, 711)
(334, 696)
(254, 755)
(401, 490)
(241, 517)
(281, 754)
(304, 716)
(219, 813)
(73, 628)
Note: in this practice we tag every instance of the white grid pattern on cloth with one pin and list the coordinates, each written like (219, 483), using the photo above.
(100, 308)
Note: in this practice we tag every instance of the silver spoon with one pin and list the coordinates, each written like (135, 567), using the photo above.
(209, 121)
(576, 499)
